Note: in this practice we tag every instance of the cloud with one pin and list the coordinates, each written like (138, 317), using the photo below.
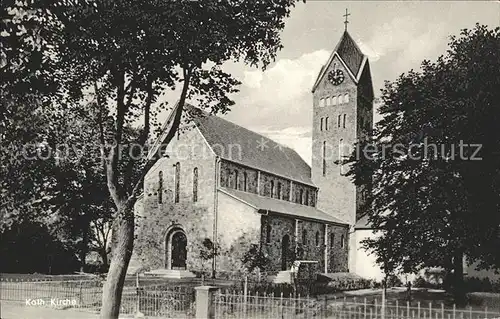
(252, 79)
(280, 96)
(410, 38)
(287, 80)
(298, 138)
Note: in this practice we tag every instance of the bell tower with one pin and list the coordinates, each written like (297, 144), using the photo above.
(342, 114)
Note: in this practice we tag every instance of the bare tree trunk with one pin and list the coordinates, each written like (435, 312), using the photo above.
(104, 256)
(122, 252)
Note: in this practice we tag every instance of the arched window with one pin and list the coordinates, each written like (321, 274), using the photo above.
(272, 189)
(321, 102)
(324, 158)
(195, 184)
(326, 123)
(342, 241)
(268, 233)
(236, 179)
(328, 101)
(334, 100)
(340, 99)
(321, 125)
(304, 237)
(160, 187)
(317, 238)
(332, 240)
(245, 181)
(279, 190)
(177, 181)
(228, 178)
(346, 98)
(341, 156)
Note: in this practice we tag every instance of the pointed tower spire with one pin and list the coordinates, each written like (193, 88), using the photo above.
(346, 15)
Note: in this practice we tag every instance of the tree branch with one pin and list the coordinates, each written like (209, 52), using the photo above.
(170, 135)
(112, 163)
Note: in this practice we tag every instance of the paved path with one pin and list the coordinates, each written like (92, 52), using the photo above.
(15, 310)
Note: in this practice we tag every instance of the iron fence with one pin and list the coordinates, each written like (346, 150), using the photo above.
(233, 305)
(156, 300)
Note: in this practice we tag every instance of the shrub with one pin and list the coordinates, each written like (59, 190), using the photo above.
(474, 284)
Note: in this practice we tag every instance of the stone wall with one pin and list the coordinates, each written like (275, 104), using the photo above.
(272, 244)
(195, 218)
(337, 194)
(238, 227)
(232, 172)
(308, 250)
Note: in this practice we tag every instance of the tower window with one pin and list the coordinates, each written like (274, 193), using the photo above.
(341, 156)
(321, 125)
(160, 187)
(301, 197)
(338, 120)
(346, 98)
(332, 240)
(326, 123)
(328, 101)
(334, 100)
(321, 102)
(195, 184)
(304, 237)
(279, 190)
(342, 241)
(343, 125)
(307, 197)
(324, 158)
(272, 189)
(236, 179)
(340, 99)
(317, 238)
(177, 181)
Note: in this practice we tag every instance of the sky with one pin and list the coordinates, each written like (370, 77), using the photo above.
(396, 36)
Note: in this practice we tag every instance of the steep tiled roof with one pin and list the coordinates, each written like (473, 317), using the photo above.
(241, 145)
(350, 53)
(281, 206)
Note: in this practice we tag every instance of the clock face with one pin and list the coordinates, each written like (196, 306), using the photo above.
(336, 77)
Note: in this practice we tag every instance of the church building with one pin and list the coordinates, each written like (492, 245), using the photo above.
(226, 189)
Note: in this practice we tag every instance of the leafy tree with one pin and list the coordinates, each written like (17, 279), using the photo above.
(433, 200)
(254, 258)
(127, 53)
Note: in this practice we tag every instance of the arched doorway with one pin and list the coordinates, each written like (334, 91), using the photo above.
(176, 249)
(285, 245)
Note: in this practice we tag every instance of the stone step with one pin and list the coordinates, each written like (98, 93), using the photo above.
(171, 273)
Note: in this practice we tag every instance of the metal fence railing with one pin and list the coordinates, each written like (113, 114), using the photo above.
(151, 300)
(237, 305)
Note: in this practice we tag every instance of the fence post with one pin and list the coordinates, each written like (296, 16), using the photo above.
(137, 301)
(205, 307)
(383, 305)
(245, 296)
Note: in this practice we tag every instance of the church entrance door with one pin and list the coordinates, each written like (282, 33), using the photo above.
(176, 250)
(285, 243)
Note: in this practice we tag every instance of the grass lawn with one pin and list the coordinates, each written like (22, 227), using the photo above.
(477, 300)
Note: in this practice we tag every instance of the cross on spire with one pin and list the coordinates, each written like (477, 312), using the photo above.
(346, 15)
